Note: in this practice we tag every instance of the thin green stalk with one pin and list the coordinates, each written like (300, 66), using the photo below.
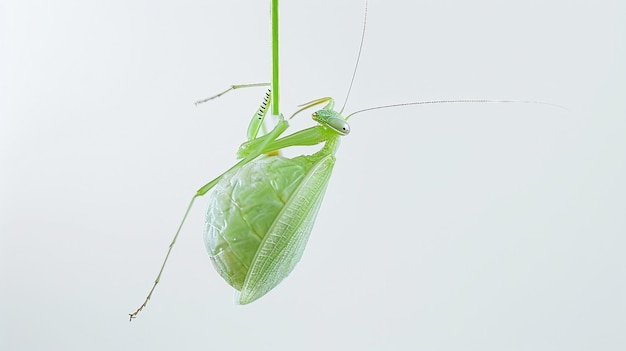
(275, 90)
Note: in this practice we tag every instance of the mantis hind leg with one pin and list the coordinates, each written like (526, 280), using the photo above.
(169, 250)
(270, 137)
(253, 129)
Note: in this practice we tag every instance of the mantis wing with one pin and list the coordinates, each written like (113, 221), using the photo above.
(260, 218)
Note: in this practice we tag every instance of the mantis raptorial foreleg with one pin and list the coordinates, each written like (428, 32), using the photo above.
(257, 120)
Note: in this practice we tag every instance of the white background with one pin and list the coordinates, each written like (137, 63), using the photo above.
(445, 227)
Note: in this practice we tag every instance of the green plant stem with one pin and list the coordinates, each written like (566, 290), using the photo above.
(275, 86)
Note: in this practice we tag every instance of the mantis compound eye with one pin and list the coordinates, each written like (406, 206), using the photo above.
(339, 125)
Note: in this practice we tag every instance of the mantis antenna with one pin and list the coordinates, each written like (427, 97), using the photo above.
(358, 57)
(459, 101)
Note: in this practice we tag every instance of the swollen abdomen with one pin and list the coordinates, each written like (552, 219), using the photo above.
(242, 208)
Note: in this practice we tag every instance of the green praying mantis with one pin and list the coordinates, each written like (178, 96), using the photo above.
(262, 210)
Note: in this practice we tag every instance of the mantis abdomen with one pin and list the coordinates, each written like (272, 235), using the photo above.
(260, 217)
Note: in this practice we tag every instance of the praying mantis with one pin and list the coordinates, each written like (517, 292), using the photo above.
(262, 210)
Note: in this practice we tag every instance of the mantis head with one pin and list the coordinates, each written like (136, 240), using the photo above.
(327, 116)
(332, 120)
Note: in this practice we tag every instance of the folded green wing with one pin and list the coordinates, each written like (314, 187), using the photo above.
(260, 217)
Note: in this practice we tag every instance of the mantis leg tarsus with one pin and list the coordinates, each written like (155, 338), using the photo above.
(169, 250)
(232, 87)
